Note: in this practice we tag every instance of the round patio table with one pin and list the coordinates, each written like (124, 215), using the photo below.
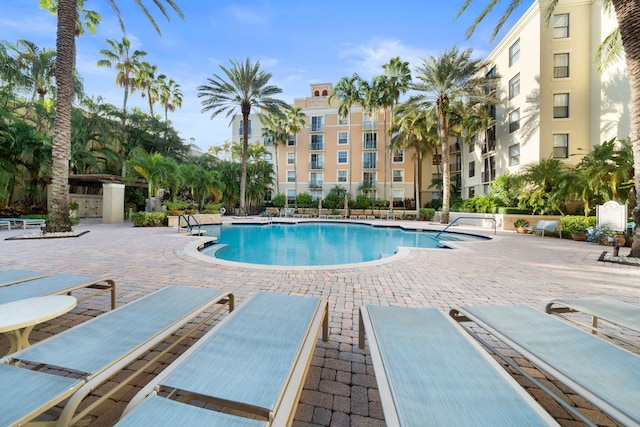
(18, 318)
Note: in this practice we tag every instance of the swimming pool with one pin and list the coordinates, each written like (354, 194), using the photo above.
(313, 244)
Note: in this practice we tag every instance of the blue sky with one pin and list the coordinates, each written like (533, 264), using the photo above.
(299, 42)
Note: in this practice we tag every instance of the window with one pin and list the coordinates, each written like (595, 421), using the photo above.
(343, 121)
(343, 138)
(317, 124)
(343, 157)
(398, 175)
(242, 127)
(370, 141)
(317, 142)
(435, 160)
(561, 26)
(291, 196)
(560, 65)
(472, 169)
(514, 86)
(292, 141)
(268, 141)
(291, 176)
(317, 161)
(561, 146)
(560, 105)
(514, 53)
(514, 155)
(398, 156)
(472, 146)
(369, 160)
(342, 176)
(291, 158)
(398, 196)
(472, 191)
(514, 120)
(268, 157)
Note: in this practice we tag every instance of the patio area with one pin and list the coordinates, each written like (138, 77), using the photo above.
(340, 388)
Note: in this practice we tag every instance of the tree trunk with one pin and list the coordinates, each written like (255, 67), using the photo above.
(275, 149)
(245, 153)
(58, 219)
(628, 15)
(443, 133)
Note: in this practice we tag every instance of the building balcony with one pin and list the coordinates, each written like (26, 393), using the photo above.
(316, 146)
(368, 145)
(315, 185)
(370, 125)
(317, 128)
(370, 165)
(316, 165)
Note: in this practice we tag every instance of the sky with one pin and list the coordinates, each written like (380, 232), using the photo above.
(299, 42)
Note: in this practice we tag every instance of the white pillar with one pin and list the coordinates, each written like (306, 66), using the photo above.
(112, 203)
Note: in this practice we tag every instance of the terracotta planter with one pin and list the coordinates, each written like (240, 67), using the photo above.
(520, 230)
(579, 237)
(619, 241)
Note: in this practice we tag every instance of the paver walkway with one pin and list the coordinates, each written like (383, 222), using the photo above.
(341, 388)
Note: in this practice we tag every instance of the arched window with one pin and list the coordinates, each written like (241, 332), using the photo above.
(316, 93)
(324, 93)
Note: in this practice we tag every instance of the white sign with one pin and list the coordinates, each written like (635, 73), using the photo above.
(613, 215)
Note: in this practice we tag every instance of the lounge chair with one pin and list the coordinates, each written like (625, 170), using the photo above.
(58, 284)
(606, 375)
(9, 277)
(96, 350)
(254, 362)
(599, 307)
(429, 371)
(545, 225)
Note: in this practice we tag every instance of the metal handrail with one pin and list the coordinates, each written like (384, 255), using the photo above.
(187, 219)
(495, 224)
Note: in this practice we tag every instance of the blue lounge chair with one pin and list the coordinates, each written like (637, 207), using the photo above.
(430, 372)
(606, 375)
(254, 362)
(58, 284)
(9, 277)
(97, 350)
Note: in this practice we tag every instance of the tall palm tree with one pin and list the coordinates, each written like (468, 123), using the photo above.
(125, 63)
(273, 129)
(147, 81)
(415, 129)
(394, 82)
(628, 17)
(58, 219)
(245, 86)
(441, 82)
(348, 92)
(294, 123)
(170, 98)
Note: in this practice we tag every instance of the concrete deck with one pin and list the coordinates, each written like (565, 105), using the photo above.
(341, 387)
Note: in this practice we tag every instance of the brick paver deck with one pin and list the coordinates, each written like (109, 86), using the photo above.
(341, 388)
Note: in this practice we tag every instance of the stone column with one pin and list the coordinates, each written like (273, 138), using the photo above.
(112, 203)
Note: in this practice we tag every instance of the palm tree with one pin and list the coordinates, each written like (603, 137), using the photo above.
(393, 83)
(58, 219)
(294, 123)
(246, 86)
(415, 129)
(170, 98)
(348, 92)
(155, 168)
(120, 59)
(444, 80)
(628, 17)
(273, 129)
(147, 81)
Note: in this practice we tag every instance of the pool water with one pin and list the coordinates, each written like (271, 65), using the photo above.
(315, 243)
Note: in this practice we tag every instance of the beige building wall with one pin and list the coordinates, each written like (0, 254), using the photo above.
(555, 62)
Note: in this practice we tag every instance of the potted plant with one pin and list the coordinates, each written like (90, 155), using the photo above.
(520, 224)
(576, 226)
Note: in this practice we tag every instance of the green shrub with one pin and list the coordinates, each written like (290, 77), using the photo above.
(575, 224)
(304, 200)
(520, 222)
(363, 201)
(279, 200)
(511, 211)
(176, 206)
(148, 219)
(428, 213)
(333, 201)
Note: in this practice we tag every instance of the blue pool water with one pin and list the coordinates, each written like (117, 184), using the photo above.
(315, 243)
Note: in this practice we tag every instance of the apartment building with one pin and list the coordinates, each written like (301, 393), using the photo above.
(330, 151)
(554, 103)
